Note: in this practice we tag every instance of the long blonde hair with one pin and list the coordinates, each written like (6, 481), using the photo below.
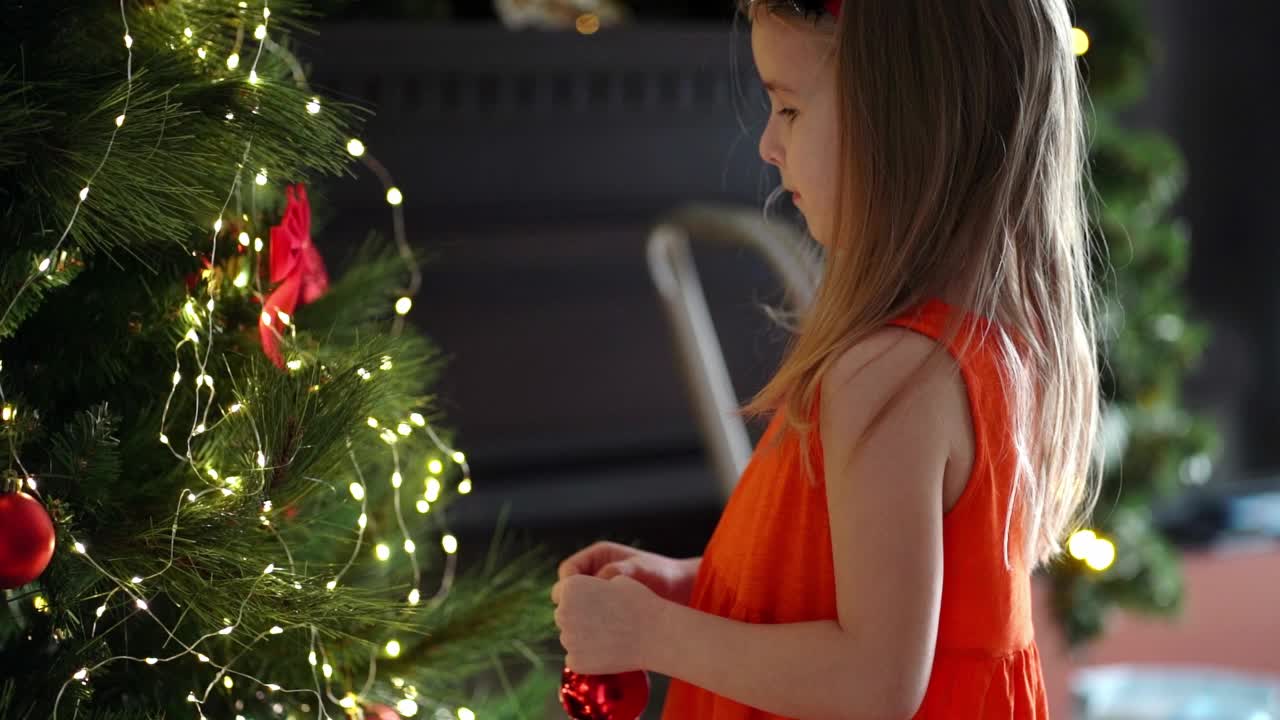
(964, 157)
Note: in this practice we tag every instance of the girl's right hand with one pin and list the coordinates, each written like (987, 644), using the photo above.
(670, 578)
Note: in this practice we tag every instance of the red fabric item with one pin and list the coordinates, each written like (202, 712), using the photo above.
(295, 265)
(833, 7)
(769, 560)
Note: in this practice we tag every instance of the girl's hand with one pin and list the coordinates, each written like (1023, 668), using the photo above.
(671, 579)
(605, 625)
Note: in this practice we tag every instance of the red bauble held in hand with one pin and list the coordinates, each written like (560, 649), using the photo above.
(26, 539)
(622, 696)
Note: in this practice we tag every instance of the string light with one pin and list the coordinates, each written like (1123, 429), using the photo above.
(7, 413)
(260, 32)
(459, 458)
(434, 466)
(414, 596)
(201, 53)
(396, 479)
(357, 490)
(404, 429)
(464, 487)
(403, 305)
(392, 648)
(394, 196)
(423, 506)
(417, 419)
(465, 714)
(450, 544)
(355, 147)
(261, 177)
(407, 707)
(433, 489)
(84, 193)
(362, 521)
(313, 106)
(187, 33)
(382, 551)
(326, 670)
(233, 62)
(409, 546)
(142, 604)
(119, 120)
(1079, 41)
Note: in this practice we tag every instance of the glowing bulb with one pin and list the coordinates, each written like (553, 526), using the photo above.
(187, 33)
(386, 363)
(177, 377)
(371, 422)
(205, 380)
(587, 24)
(81, 674)
(6, 414)
(142, 604)
(459, 458)
(227, 682)
(79, 546)
(1079, 41)
(164, 439)
(396, 479)
(407, 707)
(465, 714)
(423, 506)
(434, 466)
(327, 670)
(271, 567)
(433, 489)
(313, 107)
(128, 40)
(355, 147)
(151, 661)
(276, 630)
(1101, 555)
(39, 603)
(1080, 542)
(397, 681)
(262, 459)
(382, 551)
(202, 657)
(217, 225)
(284, 317)
(227, 630)
(403, 304)
(388, 437)
(414, 596)
(404, 429)
(84, 193)
(273, 687)
(392, 648)
(261, 178)
(135, 579)
(464, 487)
(266, 13)
(102, 610)
(311, 657)
(349, 701)
(119, 120)
(357, 490)
(235, 408)
(450, 544)
(362, 521)
(331, 585)
(233, 61)
(242, 280)
(294, 364)
(394, 196)
(201, 53)
(231, 116)
(417, 419)
(191, 698)
(244, 239)
(260, 32)
(409, 547)
(257, 244)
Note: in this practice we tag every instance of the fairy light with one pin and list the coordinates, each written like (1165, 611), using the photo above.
(459, 457)
(151, 661)
(355, 147)
(235, 407)
(386, 363)
(187, 33)
(349, 701)
(414, 596)
(81, 674)
(403, 305)
(136, 579)
(192, 335)
(357, 490)
(326, 670)
(371, 422)
(362, 521)
(397, 682)
(433, 489)
(269, 569)
(233, 62)
(1079, 41)
(201, 53)
(128, 41)
(142, 604)
(382, 552)
(191, 497)
(294, 364)
(262, 459)
(409, 547)
(276, 630)
(417, 419)
(40, 604)
(396, 479)
(227, 682)
(257, 244)
(102, 610)
(423, 506)
(217, 225)
(6, 413)
(392, 648)
(404, 429)
(407, 707)
(260, 32)
(31, 483)
(394, 196)
(465, 714)
(434, 466)
(244, 238)
(261, 177)
(164, 439)
(313, 106)
(450, 544)
(284, 317)
(331, 585)
(202, 657)
(231, 116)
(464, 487)
(388, 437)
(119, 120)
(227, 630)
(272, 687)
(79, 547)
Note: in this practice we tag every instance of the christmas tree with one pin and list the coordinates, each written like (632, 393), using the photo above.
(1153, 445)
(225, 477)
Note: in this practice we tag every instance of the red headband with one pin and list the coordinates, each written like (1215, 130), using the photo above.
(833, 7)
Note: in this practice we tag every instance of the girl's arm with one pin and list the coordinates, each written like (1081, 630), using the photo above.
(885, 499)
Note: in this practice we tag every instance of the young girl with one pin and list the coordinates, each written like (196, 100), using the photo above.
(935, 416)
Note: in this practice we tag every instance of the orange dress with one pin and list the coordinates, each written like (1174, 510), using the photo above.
(769, 560)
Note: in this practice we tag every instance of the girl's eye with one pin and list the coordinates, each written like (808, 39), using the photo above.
(788, 113)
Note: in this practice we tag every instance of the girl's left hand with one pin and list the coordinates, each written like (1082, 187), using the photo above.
(605, 625)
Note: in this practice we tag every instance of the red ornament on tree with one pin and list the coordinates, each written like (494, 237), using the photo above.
(621, 696)
(26, 539)
(295, 265)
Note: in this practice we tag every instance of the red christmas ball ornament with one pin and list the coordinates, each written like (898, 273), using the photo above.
(26, 539)
(380, 712)
(620, 696)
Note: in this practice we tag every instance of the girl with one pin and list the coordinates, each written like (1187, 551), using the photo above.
(937, 410)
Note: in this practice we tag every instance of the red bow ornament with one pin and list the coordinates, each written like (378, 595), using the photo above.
(296, 266)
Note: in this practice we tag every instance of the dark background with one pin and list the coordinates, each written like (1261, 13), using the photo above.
(535, 163)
